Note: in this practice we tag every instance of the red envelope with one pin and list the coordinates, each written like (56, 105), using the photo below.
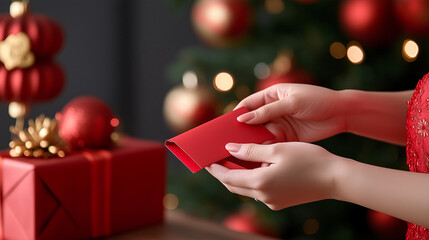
(205, 144)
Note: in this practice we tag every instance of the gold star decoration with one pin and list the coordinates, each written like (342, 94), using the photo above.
(40, 139)
(15, 51)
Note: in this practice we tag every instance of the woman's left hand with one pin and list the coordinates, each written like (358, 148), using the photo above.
(297, 173)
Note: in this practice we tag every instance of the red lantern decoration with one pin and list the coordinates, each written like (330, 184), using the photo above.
(40, 82)
(45, 34)
(28, 43)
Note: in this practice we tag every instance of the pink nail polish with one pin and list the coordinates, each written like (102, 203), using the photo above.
(246, 117)
(232, 147)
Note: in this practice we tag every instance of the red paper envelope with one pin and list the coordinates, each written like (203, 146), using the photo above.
(205, 144)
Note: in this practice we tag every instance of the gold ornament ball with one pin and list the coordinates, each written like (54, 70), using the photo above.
(186, 108)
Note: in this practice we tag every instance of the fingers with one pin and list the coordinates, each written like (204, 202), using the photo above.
(253, 101)
(250, 151)
(239, 178)
(241, 182)
(267, 112)
(278, 130)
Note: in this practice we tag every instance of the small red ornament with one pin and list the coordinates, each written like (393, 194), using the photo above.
(85, 122)
(413, 15)
(222, 22)
(186, 108)
(293, 76)
(386, 226)
(242, 222)
(370, 22)
(247, 222)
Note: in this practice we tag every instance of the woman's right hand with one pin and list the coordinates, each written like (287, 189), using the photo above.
(296, 112)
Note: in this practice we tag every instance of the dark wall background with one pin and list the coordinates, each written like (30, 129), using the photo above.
(116, 50)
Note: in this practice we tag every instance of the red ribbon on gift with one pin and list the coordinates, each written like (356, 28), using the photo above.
(101, 184)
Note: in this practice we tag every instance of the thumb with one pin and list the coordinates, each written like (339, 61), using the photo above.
(266, 113)
(249, 151)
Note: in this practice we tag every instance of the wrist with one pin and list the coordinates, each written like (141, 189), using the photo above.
(349, 102)
(341, 170)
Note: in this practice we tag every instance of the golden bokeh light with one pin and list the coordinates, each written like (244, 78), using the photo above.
(190, 79)
(410, 50)
(337, 50)
(217, 14)
(355, 54)
(223, 82)
(274, 6)
(310, 226)
(170, 201)
(283, 63)
(230, 107)
(242, 91)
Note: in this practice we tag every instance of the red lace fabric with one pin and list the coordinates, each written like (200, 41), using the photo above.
(418, 142)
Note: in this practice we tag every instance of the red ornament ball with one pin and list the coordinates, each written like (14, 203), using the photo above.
(248, 222)
(186, 108)
(221, 23)
(386, 226)
(370, 22)
(242, 222)
(294, 76)
(85, 122)
(413, 15)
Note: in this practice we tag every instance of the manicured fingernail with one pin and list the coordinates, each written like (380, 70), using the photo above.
(232, 147)
(246, 117)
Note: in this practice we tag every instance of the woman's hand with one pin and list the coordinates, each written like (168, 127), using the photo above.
(296, 112)
(308, 113)
(297, 173)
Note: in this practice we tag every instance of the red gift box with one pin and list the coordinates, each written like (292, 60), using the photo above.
(86, 194)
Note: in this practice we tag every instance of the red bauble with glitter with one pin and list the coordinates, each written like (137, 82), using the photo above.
(370, 22)
(85, 122)
(222, 22)
(293, 76)
(413, 15)
(386, 226)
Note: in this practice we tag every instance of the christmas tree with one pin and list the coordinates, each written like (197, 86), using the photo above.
(376, 45)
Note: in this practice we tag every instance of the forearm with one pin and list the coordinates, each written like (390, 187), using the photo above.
(377, 115)
(398, 193)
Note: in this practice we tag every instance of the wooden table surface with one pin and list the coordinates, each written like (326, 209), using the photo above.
(181, 226)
